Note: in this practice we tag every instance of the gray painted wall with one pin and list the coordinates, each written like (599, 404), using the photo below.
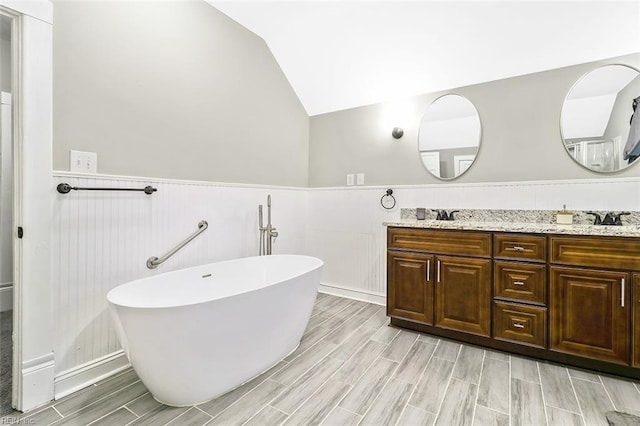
(521, 140)
(174, 90)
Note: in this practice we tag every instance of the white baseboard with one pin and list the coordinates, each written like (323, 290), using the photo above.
(80, 377)
(37, 382)
(365, 296)
(6, 298)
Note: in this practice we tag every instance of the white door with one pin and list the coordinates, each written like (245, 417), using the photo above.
(6, 204)
(431, 161)
(461, 163)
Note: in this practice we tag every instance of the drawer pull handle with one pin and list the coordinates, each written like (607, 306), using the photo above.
(438, 277)
(518, 325)
(622, 293)
(518, 248)
(428, 268)
(518, 282)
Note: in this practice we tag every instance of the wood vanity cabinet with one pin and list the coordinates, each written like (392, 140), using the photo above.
(588, 314)
(636, 319)
(589, 284)
(410, 286)
(570, 299)
(449, 274)
(463, 294)
(520, 283)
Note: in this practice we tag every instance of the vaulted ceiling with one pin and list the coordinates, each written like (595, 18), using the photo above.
(344, 54)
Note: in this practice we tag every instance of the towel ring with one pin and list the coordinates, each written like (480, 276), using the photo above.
(388, 201)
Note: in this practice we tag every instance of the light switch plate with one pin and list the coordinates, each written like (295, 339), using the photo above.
(83, 162)
(360, 179)
(350, 179)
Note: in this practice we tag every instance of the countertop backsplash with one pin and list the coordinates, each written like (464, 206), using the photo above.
(580, 217)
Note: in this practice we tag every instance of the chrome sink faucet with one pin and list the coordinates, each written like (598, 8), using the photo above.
(268, 234)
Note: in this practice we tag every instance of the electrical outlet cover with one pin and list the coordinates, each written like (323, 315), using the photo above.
(83, 162)
(360, 179)
(350, 179)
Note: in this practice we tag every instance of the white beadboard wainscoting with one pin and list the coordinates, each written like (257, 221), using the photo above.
(103, 239)
(345, 224)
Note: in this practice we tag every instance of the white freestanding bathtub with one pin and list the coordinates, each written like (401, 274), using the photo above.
(196, 333)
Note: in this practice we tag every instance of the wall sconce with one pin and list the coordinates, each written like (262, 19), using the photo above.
(397, 132)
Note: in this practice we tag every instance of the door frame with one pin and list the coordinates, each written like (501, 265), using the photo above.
(16, 143)
(33, 317)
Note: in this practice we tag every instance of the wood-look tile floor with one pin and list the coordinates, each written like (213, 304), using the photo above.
(353, 369)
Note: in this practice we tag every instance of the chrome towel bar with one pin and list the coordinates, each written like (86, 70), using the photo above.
(65, 188)
(154, 261)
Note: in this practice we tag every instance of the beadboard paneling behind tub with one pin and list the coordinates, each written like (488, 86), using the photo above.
(103, 238)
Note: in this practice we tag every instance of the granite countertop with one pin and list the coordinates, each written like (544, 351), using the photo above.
(524, 227)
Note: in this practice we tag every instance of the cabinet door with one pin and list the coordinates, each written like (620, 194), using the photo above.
(410, 286)
(589, 313)
(636, 320)
(463, 294)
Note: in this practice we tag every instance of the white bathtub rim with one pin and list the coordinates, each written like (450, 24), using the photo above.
(115, 290)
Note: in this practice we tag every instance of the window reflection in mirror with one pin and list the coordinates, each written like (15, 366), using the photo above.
(597, 118)
(449, 136)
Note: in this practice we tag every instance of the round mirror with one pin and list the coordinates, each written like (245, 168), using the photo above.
(449, 136)
(599, 123)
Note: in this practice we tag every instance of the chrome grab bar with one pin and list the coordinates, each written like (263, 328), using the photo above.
(154, 261)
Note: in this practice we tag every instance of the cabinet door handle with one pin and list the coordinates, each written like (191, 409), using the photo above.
(622, 293)
(438, 277)
(428, 268)
(518, 325)
(518, 282)
(518, 248)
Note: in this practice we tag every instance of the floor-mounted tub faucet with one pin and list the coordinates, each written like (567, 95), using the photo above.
(268, 234)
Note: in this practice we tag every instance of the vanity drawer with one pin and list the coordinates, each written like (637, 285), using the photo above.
(463, 243)
(520, 247)
(599, 252)
(524, 282)
(520, 324)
